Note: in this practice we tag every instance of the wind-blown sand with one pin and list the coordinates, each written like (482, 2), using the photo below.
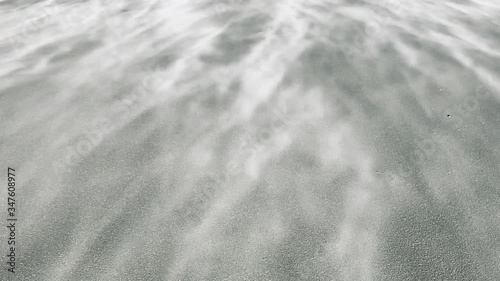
(252, 140)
